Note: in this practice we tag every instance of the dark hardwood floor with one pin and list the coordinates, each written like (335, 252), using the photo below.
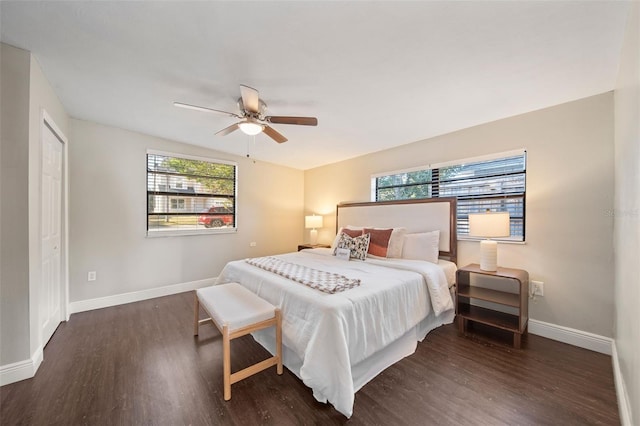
(138, 364)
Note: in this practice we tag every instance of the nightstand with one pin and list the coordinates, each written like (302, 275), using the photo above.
(309, 246)
(513, 293)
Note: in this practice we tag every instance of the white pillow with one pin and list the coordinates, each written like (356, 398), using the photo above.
(422, 246)
(396, 242)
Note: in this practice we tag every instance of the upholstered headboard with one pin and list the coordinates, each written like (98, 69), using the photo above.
(416, 215)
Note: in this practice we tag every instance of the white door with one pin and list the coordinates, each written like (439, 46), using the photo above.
(51, 287)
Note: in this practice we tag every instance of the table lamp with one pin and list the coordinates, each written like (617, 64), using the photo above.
(489, 225)
(313, 222)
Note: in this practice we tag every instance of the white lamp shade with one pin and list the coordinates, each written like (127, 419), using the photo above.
(489, 225)
(313, 221)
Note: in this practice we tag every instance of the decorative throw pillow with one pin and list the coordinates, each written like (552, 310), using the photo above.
(358, 245)
(379, 243)
(422, 246)
(352, 231)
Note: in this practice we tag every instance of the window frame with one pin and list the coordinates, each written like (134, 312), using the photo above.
(155, 233)
(433, 191)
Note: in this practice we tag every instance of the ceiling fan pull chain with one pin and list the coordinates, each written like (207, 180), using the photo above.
(249, 146)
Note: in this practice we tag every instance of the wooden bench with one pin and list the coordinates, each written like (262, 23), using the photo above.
(236, 312)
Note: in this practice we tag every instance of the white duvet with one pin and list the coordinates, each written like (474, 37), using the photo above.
(326, 334)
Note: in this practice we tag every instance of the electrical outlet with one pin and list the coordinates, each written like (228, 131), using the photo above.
(252, 244)
(538, 288)
(91, 276)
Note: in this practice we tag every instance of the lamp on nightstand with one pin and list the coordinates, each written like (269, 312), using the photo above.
(313, 222)
(489, 225)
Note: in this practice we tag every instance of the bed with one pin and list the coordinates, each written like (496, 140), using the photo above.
(336, 343)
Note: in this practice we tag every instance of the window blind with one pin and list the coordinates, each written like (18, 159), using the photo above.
(496, 184)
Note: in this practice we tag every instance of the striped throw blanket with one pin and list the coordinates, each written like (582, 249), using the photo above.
(327, 282)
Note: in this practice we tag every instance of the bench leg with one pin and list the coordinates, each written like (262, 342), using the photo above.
(279, 340)
(196, 315)
(226, 362)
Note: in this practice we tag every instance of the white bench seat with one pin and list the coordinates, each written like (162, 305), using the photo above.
(236, 312)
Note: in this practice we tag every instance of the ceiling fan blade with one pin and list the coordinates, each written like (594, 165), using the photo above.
(301, 121)
(228, 130)
(250, 98)
(274, 134)
(204, 109)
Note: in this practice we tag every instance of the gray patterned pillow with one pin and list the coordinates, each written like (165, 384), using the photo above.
(357, 245)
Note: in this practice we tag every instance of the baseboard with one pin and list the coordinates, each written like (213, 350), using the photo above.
(136, 296)
(624, 407)
(571, 336)
(21, 370)
(26, 369)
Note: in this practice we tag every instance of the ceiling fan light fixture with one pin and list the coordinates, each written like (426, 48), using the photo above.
(251, 128)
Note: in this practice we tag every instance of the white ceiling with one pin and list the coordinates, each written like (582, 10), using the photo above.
(376, 74)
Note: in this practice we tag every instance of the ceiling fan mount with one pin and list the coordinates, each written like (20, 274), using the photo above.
(252, 116)
(258, 115)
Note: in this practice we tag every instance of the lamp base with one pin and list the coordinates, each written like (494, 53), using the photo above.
(489, 255)
(313, 235)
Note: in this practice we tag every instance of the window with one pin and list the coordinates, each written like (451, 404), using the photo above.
(496, 183)
(190, 195)
(177, 204)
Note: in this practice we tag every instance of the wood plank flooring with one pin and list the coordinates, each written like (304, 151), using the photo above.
(138, 364)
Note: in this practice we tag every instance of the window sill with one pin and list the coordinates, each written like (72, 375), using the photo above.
(188, 232)
(493, 239)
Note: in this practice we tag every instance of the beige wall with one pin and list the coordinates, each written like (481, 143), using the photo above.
(14, 241)
(25, 94)
(627, 217)
(569, 201)
(108, 216)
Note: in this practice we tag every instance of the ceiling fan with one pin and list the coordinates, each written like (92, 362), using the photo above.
(252, 116)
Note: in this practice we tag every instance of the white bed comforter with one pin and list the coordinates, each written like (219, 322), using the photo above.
(332, 332)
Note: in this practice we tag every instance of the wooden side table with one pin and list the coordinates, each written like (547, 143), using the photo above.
(466, 294)
(309, 246)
